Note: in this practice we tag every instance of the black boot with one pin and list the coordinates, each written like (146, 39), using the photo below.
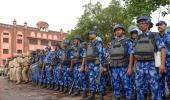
(101, 96)
(164, 97)
(40, 85)
(84, 95)
(44, 85)
(167, 96)
(65, 90)
(61, 88)
(145, 96)
(56, 88)
(48, 86)
(76, 92)
(51, 86)
(134, 97)
(90, 97)
(32, 83)
(117, 98)
(36, 83)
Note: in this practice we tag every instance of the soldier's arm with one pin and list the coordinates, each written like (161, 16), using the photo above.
(100, 52)
(60, 57)
(161, 47)
(100, 56)
(130, 53)
(83, 54)
(163, 56)
(71, 57)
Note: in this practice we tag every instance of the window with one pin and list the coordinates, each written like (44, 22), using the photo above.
(5, 51)
(19, 41)
(33, 41)
(19, 51)
(5, 40)
(19, 35)
(44, 42)
(5, 33)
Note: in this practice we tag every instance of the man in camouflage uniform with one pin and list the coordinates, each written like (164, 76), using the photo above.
(56, 63)
(165, 37)
(48, 68)
(95, 67)
(146, 71)
(121, 55)
(78, 63)
(42, 78)
(65, 79)
(33, 66)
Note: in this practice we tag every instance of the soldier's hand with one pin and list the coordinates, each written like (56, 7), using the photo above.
(51, 68)
(129, 72)
(161, 69)
(71, 69)
(43, 66)
(101, 69)
(86, 69)
(82, 69)
(60, 67)
(105, 69)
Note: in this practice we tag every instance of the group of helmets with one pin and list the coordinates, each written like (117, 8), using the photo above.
(131, 30)
(146, 19)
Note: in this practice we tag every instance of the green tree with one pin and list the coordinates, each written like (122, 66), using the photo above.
(101, 20)
(137, 8)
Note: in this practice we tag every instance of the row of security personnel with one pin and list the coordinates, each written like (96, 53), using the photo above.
(82, 66)
(18, 69)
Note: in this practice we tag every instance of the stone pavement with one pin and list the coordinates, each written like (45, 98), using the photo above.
(10, 91)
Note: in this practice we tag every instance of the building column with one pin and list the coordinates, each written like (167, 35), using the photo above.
(25, 40)
(14, 38)
(49, 43)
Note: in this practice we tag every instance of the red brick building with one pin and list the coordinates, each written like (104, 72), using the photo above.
(23, 39)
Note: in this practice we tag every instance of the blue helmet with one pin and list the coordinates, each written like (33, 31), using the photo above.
(78, 38)
(92, 32)
(145, 19)
(118, 26)
(134, 30)
(161, 22)
(67, 42)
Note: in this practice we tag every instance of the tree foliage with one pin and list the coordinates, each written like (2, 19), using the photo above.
(102, 20)
(144, 7)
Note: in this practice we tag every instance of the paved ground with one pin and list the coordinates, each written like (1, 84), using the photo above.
(10, 91)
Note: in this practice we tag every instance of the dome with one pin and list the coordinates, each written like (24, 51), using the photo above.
(42, 25)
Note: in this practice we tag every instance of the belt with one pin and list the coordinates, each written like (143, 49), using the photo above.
(145, 60)
(119, 66)
(47, 64)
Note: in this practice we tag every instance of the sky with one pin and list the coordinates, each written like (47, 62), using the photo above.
(58, 13)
